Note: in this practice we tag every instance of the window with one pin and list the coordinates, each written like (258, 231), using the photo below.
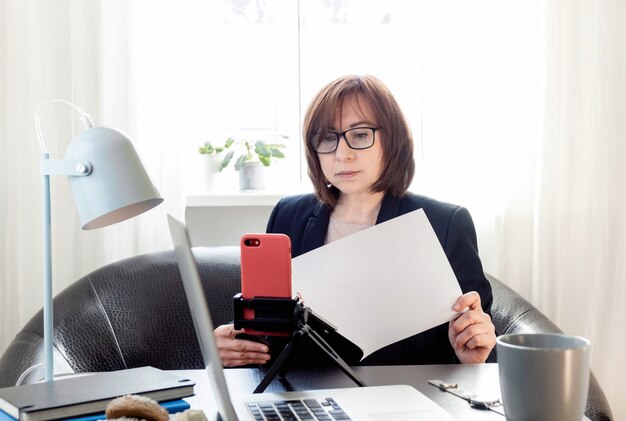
(248, 68)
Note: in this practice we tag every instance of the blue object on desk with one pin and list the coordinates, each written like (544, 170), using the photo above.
(178, 405)
(6, 417)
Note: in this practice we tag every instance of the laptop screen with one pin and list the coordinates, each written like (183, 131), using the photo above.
(201, 318)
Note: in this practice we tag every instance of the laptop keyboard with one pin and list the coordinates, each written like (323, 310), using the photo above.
(292, 410)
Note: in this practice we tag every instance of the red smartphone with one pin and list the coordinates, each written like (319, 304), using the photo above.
(265, 270)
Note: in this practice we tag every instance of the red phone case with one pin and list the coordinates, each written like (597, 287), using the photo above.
(265, 270)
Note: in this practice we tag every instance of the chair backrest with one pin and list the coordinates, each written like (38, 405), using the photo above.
(511, 313)
(134, 313)
(127, 314)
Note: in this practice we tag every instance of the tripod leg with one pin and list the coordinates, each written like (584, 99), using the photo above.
(280, 364)
(297, 339)
(324, 346)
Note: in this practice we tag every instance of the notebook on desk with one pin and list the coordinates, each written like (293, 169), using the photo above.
(375, 403)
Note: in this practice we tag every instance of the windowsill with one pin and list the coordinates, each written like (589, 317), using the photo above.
(240, 198)
(252, 198)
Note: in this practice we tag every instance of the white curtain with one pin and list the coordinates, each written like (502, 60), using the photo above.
(560, 237)
(579, 244)
(77, 51)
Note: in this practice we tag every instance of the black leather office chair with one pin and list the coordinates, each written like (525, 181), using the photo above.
(134, 313)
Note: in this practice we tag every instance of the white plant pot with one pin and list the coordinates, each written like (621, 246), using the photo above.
(252, 176)
(210, 171)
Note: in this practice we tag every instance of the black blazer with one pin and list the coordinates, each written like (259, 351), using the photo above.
(305, 220)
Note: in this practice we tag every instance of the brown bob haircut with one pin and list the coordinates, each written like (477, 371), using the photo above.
(394, 134)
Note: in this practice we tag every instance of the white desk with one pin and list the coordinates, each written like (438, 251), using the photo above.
(479, 378)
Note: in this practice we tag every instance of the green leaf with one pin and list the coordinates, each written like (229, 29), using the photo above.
(240, 161)
(206, 149)
(265, 160)
(229, 142)
(262, 149)
(276, 153)
(226, 160)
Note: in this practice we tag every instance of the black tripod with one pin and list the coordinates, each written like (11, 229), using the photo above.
(291, 316)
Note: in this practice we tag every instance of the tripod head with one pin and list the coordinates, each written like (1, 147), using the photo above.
(272, 316)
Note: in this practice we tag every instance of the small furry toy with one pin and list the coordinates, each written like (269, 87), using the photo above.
(142, 408)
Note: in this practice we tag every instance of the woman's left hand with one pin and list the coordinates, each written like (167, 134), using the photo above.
(472, 335)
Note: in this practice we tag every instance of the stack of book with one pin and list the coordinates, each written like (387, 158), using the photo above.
(84, 397)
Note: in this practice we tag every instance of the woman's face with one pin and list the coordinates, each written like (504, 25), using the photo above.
(353, 171)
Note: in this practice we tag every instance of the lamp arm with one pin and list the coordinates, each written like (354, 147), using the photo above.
(64, 167)
(84, 117)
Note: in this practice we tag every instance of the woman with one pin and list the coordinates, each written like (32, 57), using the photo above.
(360, 157)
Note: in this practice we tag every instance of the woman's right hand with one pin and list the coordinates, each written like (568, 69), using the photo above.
(237, 352)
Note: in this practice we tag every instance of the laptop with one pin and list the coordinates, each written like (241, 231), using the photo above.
(371, 403)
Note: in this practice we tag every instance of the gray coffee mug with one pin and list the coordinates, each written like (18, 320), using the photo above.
(543, 376)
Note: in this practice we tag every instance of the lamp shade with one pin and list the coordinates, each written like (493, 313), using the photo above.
(118, 186)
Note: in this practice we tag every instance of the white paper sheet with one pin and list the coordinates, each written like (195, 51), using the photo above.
(380, 285)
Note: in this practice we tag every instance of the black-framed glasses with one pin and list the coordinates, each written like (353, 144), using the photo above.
(356, 138)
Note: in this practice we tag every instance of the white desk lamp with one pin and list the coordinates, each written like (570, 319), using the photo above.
(109, 184)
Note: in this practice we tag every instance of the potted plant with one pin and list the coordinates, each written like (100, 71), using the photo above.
(211, 164)
(251, 156)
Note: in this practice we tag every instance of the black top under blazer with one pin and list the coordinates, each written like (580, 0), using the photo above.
(305, 220)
